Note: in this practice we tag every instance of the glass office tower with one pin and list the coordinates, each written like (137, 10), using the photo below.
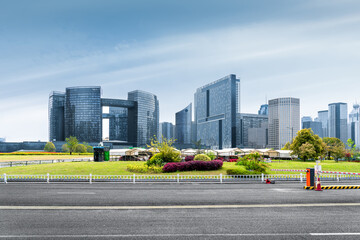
(118, 123)
(83, 113)
(338, 126)
(354, 125)
(284, 121)
(166, 130)
(56, 116)
(183, 121)
(252, 130)
(323, 117)
(216, 106)
(146, 125)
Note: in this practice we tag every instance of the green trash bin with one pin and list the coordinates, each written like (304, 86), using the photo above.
(106, 153)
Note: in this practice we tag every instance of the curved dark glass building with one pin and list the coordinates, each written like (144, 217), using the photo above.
(183, 120)
(83, 113)
(146, 117)
(56, 116)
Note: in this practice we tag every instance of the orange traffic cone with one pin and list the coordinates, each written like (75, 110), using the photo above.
(318, 185)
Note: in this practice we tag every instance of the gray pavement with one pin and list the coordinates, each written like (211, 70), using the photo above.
(211, 211)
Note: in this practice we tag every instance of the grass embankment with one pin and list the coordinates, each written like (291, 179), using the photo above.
(95, 168)
(119, 168)
(15, 157)
(327, 165)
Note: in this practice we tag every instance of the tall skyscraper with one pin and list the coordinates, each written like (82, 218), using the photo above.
(147, 117)
(216, 106)
(118, 123)
(315, 126)
(305, 119)
(323, 117)
(166, 130)
(338, 126)
(264, 110)
(252, 130)
(354, 125)
(56, 116)
(78, 113)
(183, 120)
(284, 121)
(83, 113)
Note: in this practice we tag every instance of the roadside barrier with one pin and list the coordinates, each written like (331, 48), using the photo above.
(160, 178)
(335, 187)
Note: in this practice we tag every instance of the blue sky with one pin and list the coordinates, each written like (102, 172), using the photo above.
(305, 49)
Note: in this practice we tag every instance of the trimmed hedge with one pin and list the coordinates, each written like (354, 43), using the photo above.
(202, 157)
(193, 166)
(189, 158)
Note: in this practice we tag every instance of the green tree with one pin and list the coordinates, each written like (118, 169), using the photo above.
(80, 148)
(166, 151)
(307, 137)
(198, 146)
(287, 146)
(49, 147)
(89, 148)
(334, 147)
(65, 148)
(71, 143)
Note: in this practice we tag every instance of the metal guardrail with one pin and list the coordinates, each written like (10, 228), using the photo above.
(35, 162)
(170, 178)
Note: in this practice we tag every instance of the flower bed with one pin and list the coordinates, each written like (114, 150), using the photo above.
(193, 166)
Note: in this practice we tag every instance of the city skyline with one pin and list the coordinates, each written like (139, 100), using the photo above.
(292, 49)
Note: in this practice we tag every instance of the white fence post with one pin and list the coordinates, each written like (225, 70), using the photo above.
(134, 179)
(48, 178)
(5, 180)
(90, 179)
(301, 177)
(221, 178)
(337, 177)
(262, 177)
(178, 180)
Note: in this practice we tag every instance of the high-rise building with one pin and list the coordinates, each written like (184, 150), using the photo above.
(147, 117)
(284, 121)
(83, 113)
(78, 113)
(118, 123)
(166, 130)
(183, 121)
(252, 130)
(216, 106)
(323, 117)
(305, 119)
(338, 126)
(56, 116)
(315, 126)
(264, 109)
(354, 124)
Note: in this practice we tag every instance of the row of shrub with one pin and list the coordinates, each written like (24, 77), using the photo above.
(143, 168)
(193, 166)
(41, 153)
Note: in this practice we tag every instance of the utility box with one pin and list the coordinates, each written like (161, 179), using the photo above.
(310, 177)
(106, 153)
(99, 154)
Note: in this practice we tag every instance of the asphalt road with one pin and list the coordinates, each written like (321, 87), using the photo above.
(177, 211)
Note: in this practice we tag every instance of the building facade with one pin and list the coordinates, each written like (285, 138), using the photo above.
(216, 106)
(146, 117)
(166, 130)
(118, 124)
(264, 110)
(338, 125)
(183, 121)
(323, 117)
(315, 126)
(354, 125)
(252, 130)
(56, 116)
(284, 121)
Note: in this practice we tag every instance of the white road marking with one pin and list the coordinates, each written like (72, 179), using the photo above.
(178, 206)
(76, 193)
(178, 235)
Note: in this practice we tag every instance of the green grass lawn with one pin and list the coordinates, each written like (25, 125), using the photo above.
(119, 168)
(10, 158)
